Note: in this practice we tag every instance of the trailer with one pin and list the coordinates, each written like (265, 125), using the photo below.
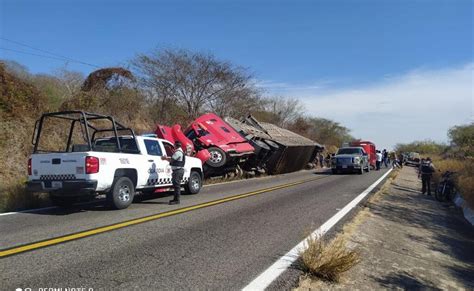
(287, 151)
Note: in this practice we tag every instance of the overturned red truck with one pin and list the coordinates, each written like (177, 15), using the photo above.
(232, 146)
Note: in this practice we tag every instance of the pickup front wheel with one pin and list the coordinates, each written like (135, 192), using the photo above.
(122, 193)
(194, 183)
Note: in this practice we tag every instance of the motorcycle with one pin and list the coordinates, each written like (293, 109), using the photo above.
(446, 189)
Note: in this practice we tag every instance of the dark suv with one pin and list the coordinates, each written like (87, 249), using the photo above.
(350, 159)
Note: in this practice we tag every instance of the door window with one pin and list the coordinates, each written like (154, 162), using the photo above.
(153, 147)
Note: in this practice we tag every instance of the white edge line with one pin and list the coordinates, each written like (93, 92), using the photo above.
(274, 271)
(29, 210)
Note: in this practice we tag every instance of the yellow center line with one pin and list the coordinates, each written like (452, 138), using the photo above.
(87, 233)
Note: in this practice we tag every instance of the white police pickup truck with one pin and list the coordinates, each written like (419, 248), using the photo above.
(105, 161)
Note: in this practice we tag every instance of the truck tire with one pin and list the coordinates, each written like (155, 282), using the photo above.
(64, 202)
(122, 193)
(194, 184)
(218, 157)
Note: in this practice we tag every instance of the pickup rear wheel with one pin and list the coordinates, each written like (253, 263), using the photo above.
(122, 193)
(218, 157)
(194, 184)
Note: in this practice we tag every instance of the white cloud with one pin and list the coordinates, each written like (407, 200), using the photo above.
(422, 104)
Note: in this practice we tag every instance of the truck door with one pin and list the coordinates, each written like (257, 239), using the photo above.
(158, 173)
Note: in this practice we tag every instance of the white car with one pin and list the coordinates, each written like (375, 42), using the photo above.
(117, 165)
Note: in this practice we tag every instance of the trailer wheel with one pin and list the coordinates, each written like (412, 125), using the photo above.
(122, 193)
(194, 184)
(218, 157)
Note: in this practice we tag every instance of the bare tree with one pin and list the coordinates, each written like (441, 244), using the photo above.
(284, 110)
(195, 81)
(71, 80)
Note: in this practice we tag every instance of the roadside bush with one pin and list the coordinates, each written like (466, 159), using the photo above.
(328, 261)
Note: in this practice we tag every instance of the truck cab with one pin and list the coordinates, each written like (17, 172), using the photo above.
(101, 156)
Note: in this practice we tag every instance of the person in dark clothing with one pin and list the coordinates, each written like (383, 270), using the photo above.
(426, 172)
(401, 160)
(321, 160)
(177, 161)
(385, 158)
(328, 160)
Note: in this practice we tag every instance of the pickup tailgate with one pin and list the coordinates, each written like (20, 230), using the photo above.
(58, 166)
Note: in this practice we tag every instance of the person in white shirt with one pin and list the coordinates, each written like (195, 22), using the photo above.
(379, 159)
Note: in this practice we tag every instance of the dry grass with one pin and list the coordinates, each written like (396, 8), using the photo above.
(464, 178)
(14, 196)
(328, 260)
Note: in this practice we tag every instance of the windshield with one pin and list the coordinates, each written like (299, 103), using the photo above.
(349, 151)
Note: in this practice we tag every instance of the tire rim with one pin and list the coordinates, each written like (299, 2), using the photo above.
(124, 193)
(195, 183)
(216, 157)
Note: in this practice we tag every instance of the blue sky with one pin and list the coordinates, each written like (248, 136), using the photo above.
(306, 49)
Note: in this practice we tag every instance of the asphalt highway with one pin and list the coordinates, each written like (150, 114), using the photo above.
(217, 239)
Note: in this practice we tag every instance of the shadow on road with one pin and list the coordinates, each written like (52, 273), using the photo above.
(404, 281)
(454, 236)
(100, 204)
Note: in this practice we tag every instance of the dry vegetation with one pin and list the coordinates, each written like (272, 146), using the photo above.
(464, 178)
(328, 261)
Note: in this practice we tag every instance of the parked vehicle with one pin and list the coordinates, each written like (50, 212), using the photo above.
(369, 148)
(350, 159)
(108, 159)
(413, 159)
(446, 189)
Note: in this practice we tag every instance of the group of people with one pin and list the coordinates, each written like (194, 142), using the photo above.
(381, 157)
(324, 162)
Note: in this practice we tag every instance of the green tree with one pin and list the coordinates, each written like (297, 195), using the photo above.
(462, 138)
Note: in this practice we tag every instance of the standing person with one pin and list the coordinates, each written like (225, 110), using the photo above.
(393, 159)
(177, 161)
(385, 158)
(321, 160)
(328, 160)
(426, 172)
(401, 159)
(379, 160)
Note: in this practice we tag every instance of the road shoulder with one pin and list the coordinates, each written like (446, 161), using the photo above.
(407, 240)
